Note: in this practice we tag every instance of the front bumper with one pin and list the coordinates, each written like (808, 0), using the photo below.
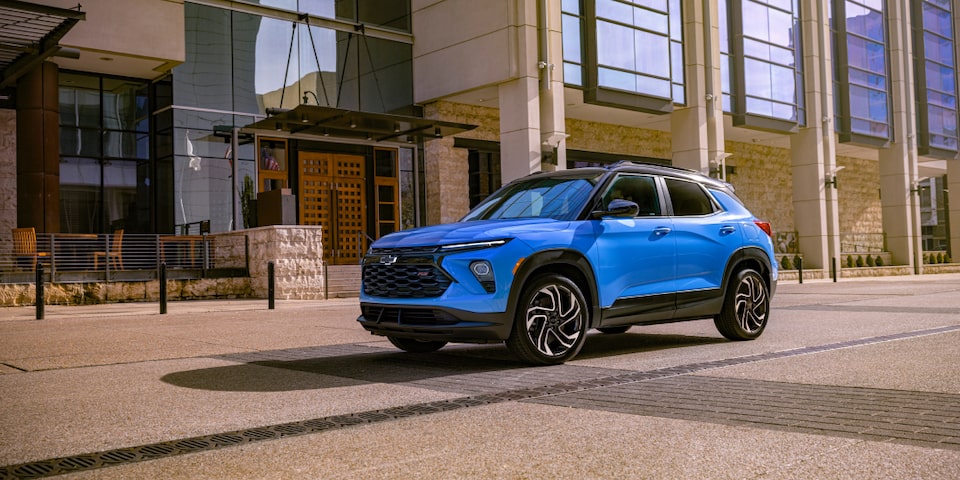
(434, 323)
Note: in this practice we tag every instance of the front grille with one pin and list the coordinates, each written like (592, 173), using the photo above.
(404, 281)
(406, 316)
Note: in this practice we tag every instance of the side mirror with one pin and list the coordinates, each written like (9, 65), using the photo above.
(618, 208)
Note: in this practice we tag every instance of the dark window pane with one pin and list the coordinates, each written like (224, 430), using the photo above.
(688, 198)
(83, 142)
(79, 195)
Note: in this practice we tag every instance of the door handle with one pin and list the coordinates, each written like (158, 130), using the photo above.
(661, 231)
(727, 229)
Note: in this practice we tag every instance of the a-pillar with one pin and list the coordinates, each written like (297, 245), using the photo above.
(38, 149)
(812, 153)
(898, 163)
(519, 128)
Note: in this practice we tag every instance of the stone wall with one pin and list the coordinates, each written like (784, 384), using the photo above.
(8, 177)
(861, 212)
(297, 253)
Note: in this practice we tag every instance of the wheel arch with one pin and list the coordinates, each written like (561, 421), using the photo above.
(749, 257)
(569, 263)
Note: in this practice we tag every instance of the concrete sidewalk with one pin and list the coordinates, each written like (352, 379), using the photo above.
(858, 379)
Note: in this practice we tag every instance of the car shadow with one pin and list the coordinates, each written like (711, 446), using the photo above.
(457, 368)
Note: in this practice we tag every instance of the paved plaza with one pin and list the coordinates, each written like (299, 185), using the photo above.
(855, 379)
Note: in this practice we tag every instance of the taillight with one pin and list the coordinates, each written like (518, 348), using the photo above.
(765, 226)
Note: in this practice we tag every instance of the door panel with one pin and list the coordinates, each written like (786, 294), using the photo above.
(332, 195)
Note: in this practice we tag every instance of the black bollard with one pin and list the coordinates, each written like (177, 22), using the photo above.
(163, 288)
(271, 281)
(39, 291)
(800, 268)
(833, 267)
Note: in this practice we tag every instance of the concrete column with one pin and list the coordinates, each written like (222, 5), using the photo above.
(520, 140)
(552, 114)
(38, 149)
(813, 155)
(519, 128)
(697, 142)
(898, 163)
(953, 201)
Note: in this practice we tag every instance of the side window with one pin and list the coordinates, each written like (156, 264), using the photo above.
(638, 189)
(688, 198)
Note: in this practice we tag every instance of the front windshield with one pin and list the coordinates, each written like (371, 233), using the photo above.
(560, 198)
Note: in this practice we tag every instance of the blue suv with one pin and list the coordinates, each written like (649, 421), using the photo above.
(552, 255)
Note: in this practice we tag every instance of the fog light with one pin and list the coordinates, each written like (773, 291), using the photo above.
(484, 273)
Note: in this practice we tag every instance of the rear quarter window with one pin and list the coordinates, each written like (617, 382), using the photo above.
(689, 198)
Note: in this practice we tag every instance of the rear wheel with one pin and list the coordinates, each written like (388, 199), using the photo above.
(551, 321)
(413, 345)
(746, 308)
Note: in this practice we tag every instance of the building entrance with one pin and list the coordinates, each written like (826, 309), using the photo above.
(332, 195)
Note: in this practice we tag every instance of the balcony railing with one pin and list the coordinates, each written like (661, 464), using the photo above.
(68, 258)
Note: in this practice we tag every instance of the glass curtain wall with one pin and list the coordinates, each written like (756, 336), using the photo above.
(104, 143)
(861, 71)
(935, 75)
(766, 76)
(625, 53)
(238, 65)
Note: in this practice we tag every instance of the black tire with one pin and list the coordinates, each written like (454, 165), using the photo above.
(746, 307)
(413, 345)
(613, 330)
(551, 321)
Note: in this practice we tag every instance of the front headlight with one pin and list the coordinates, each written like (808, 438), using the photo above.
(458, 247)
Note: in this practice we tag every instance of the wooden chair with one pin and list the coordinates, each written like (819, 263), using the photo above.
(25, 247)
(114, 256)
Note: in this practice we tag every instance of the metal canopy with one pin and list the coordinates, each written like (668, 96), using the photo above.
(30, 33)
(343, 123)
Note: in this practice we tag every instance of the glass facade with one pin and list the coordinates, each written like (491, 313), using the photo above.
(766, 78)
(104, 154)
(861, 72)
(625, 53)
(935, 77)
(238, 65)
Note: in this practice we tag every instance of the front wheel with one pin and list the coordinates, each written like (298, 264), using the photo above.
(551, 321)
(416, 346)
(745, 308)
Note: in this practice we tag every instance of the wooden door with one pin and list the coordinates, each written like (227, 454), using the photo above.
(332, 195)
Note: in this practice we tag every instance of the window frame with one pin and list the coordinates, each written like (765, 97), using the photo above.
(738, 95)
(924, 145)
(841, 63)
(597, 94)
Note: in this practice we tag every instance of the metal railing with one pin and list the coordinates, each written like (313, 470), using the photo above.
(78, 258)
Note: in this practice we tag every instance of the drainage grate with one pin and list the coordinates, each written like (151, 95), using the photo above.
(90, 461)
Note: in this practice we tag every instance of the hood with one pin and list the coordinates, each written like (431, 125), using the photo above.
(472, 231)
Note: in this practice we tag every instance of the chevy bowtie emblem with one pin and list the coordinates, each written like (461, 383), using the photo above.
(388, 259)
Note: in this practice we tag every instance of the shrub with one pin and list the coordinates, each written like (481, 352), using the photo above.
(870, 262)
(849, 261)
(946, 258)
(879, 261)
(785, 263)
(859, 260)
(940, 257)
(797, 261)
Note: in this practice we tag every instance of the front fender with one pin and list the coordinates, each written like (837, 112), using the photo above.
(557, 261)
